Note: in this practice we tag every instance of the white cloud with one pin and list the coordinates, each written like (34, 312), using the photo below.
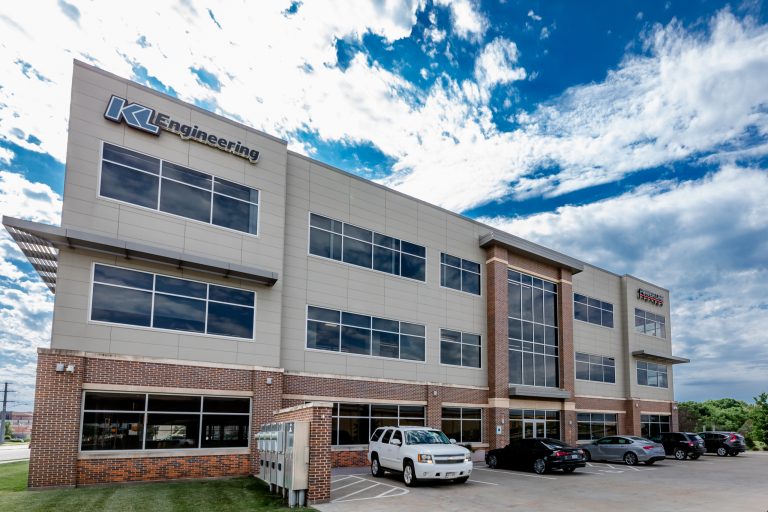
(707, 241)
(544, 34)
(468, 22)
(496, 64)
(6, 155)
(534, 16)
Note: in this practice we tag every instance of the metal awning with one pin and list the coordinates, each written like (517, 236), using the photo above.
(41, 243)
(538, 392)
(531, 250)
(659, 358)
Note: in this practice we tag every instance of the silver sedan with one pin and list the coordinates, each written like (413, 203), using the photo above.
(630, 449)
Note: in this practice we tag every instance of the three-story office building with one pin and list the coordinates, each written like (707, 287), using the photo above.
(205, 276)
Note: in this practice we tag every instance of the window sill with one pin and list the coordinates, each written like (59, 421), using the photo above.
(146, 454)
(349, 448)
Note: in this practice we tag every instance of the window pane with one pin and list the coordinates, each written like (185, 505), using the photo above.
(514, 300)
(121, 305)
(233, 214)
(236, 190)
(386, 241)
(122, 276)
(415, 329)
(450, 353)
(452, 429)
(609, 374)
(356, 340)
(594, 315)
(385, 344)
(471, 339)
(515, 329)
(185, 201)
(515, 367)
(132, 158)
(320, 242)
(127, 185)
(173, 403)
(231, 295)
(412, 267)
(582, 370)
(112, 431)
(181, 287)
(607, 319)
(551, 366)
(323, 336)
(386, 325)
(471, 431)
(411, 411)
(411, 348)
(413, 249)
(225, 431)
(359, 233)
(550, 309)
(179, 313)
(451, 277)
(386, 260)
(230, 320)
(357, 252)
(470, 266)
(470, 282)
(114, 401)
(226, 404)
(324, 315)
(356, 320)
(470, 356)
(320, 222)
(384, 411)
(581, 312)
(353, 431)
(188, 176)
(172, 431)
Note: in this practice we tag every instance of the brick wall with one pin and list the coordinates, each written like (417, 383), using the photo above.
(319, 448)
(628, 423)
(99, 471)
(349, 458)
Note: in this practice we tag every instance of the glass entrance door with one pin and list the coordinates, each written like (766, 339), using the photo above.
(533, 429)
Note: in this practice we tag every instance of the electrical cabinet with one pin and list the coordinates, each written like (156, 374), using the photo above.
(284, 459)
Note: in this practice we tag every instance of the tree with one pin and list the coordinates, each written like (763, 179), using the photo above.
(759, 417)
(8, 429)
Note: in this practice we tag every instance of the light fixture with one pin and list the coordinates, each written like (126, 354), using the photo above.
(59, 367)
(269, 381)
(434, 393)
(70, 368)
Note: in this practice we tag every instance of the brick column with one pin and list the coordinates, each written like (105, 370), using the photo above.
(566, 356)
(56, 425)
(497, 306)
(632, 425)
(267, 398)
(434, 407)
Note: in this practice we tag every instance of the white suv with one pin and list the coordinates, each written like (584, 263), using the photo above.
(419, 453)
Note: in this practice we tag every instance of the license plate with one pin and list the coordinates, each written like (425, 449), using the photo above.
(573, 456)
(450, 475)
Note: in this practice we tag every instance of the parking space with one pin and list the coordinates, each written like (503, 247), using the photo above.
(710, 483)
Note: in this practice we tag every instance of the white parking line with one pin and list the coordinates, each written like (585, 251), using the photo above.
(345, 498)
(515, 474)
(389, 493)
(481, 482)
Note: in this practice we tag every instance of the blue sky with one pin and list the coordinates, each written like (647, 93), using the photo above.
(632, 135)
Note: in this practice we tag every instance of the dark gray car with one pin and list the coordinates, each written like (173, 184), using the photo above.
(630, 449)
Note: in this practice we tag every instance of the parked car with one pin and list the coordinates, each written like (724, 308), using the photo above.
(681, 444)
(540, 455)
(420, 453)
(630, 449)
(723, 443)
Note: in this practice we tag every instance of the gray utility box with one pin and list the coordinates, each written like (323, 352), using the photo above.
(284, 459)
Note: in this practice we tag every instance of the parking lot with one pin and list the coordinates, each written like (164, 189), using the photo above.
(710, 483)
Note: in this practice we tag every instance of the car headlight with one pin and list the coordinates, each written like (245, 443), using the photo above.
(425, 458)
(467, 457)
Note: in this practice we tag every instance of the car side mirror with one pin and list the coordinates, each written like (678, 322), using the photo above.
(453, 441)
(396, 442)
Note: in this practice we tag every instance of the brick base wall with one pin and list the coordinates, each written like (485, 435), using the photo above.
(349, 458)
(99, 471)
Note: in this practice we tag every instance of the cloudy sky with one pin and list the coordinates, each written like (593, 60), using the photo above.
(632, 134)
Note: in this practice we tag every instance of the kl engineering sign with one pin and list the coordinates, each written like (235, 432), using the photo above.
(148, 120)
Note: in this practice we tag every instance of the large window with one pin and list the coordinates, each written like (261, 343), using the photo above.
(140, 421)
(464, 424)
(459, 348)
(653, 425)
(131, 297)
(459, 274)
(533, 345)
(594, 425)
(592, 310)
(529, 423)
(365, 248)
(354, 423)
(595, 368)
(153, 183)
(651, 374)
(350, 333)
(650, 323)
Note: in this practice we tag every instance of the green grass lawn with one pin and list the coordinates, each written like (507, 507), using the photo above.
(233, 494)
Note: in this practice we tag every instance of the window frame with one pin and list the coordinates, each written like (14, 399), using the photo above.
(372, 243)
(157, 210)
(592, 422)
(158, 452)
(656, 370)
(461, 344)
(601, 309)
(659, 326)
(336, 416)
(461, 270)
(90, 320)
(590, 364)
(461, 421)
(371, 329)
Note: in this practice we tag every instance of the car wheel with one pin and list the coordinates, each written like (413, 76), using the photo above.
(539, 466)
(695, 456)
(722, 452)
(492, 462)
(630, 459)
(409, 475)
(461, 480)
(569, 470)
(680, 454)
(376, 469)
(587, 456)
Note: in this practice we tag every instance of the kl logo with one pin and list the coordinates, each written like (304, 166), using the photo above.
(135, 115)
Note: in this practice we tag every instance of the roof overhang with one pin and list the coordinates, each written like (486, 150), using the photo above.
(531, 250)
(538, 392)
(41, 244)
(659, 358)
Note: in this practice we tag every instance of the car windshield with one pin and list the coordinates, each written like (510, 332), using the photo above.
(641, 439)
(426, 437)
(553, 444)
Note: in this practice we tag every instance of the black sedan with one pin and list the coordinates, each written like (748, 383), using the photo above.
(540, 455)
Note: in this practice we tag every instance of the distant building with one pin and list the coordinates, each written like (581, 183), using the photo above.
(206, 276)
(21, 424)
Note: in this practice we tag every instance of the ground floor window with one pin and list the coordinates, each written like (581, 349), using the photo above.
(141, 421)
(530, 423)
(464, 424)
(594, 425)
(653, 425)
(354, 423)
